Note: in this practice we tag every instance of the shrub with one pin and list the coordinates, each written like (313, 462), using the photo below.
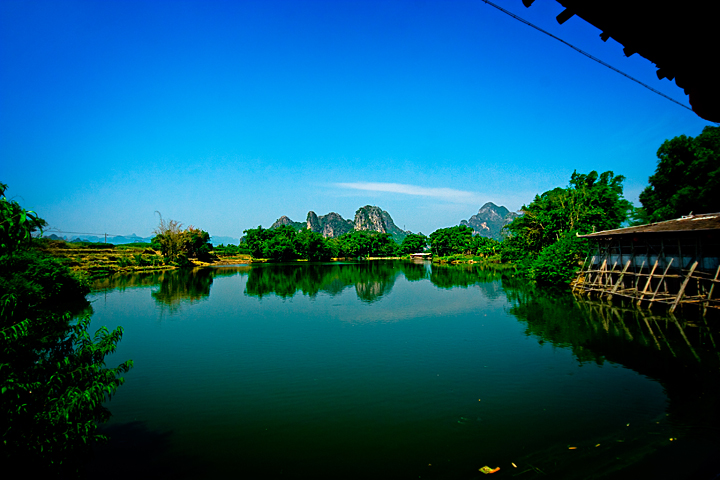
(558, 263)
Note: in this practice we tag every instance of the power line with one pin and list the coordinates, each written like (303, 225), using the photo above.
(88, 233)
(586, 54)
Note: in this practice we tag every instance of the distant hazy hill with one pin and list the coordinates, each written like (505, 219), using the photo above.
(490, 220)
(332, 225)
(116, 239)
(218, 240)
(132, 238)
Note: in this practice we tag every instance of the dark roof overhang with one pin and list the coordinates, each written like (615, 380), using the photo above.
(679, 38)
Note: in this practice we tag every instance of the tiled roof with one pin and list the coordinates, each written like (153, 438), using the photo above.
(707, 221)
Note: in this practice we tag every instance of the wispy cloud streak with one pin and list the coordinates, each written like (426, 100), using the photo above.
(448, 194)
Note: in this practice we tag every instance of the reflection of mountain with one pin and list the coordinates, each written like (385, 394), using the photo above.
(371, 280)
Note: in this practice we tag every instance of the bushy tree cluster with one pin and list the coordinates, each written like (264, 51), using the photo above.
(460, 240)
(284, 243)
(53, 378)
(543, 241)
(687, 178)
(178, 245)
(413, 243)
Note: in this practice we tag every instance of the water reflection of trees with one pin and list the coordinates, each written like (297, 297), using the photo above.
(681, 352)
(174, 286)
(183, 286)
(451, 276)
(371, 280)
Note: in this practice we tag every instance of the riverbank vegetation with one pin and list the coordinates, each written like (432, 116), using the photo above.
(53, 377)
(542, 242)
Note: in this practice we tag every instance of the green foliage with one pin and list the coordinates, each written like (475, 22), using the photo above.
(312, 246)
(196, 243)
(452, 240)
(485, 246)
(228, 249)
(53, 377)
(16, 224)
(451, 276)
(370, 280)
(558, 263)
(178, 245)
(140, 260)
(254, 239)
(366, 243)
(591, 202)
(168, 238)
(413, 243)
(283, 243)
(280, 247)
(687, 178)
(39, 283)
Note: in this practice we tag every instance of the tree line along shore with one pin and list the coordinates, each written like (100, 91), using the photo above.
(541, 243)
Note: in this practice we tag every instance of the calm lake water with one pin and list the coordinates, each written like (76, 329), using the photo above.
(399, 370)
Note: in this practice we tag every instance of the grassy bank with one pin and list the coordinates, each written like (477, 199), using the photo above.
(97, 260)
(493, 259)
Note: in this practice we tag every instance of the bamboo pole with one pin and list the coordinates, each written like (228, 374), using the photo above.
(620, 278)
(638, 275)
(661, 280)
(597, 277)
(682, 288)
(712, 287)
(647, 284)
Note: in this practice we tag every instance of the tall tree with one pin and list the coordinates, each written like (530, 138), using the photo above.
(451, 240)
(413, 243)
(687, 178)
(543, 242)
(591, 202)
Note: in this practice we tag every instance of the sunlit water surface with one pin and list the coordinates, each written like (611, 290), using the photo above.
(393, 370)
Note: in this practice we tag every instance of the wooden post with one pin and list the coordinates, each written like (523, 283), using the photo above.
(661, 280)
(597, 277)
(637, 276)
(709, 295)
(648, 281)
(619, 281)
(682, 288)
(608, 277)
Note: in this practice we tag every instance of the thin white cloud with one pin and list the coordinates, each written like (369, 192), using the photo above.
(448, 194)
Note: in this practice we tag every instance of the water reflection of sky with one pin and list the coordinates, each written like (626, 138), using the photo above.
(420, 373)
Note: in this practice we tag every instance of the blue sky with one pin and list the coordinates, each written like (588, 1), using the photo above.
(227, 115)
